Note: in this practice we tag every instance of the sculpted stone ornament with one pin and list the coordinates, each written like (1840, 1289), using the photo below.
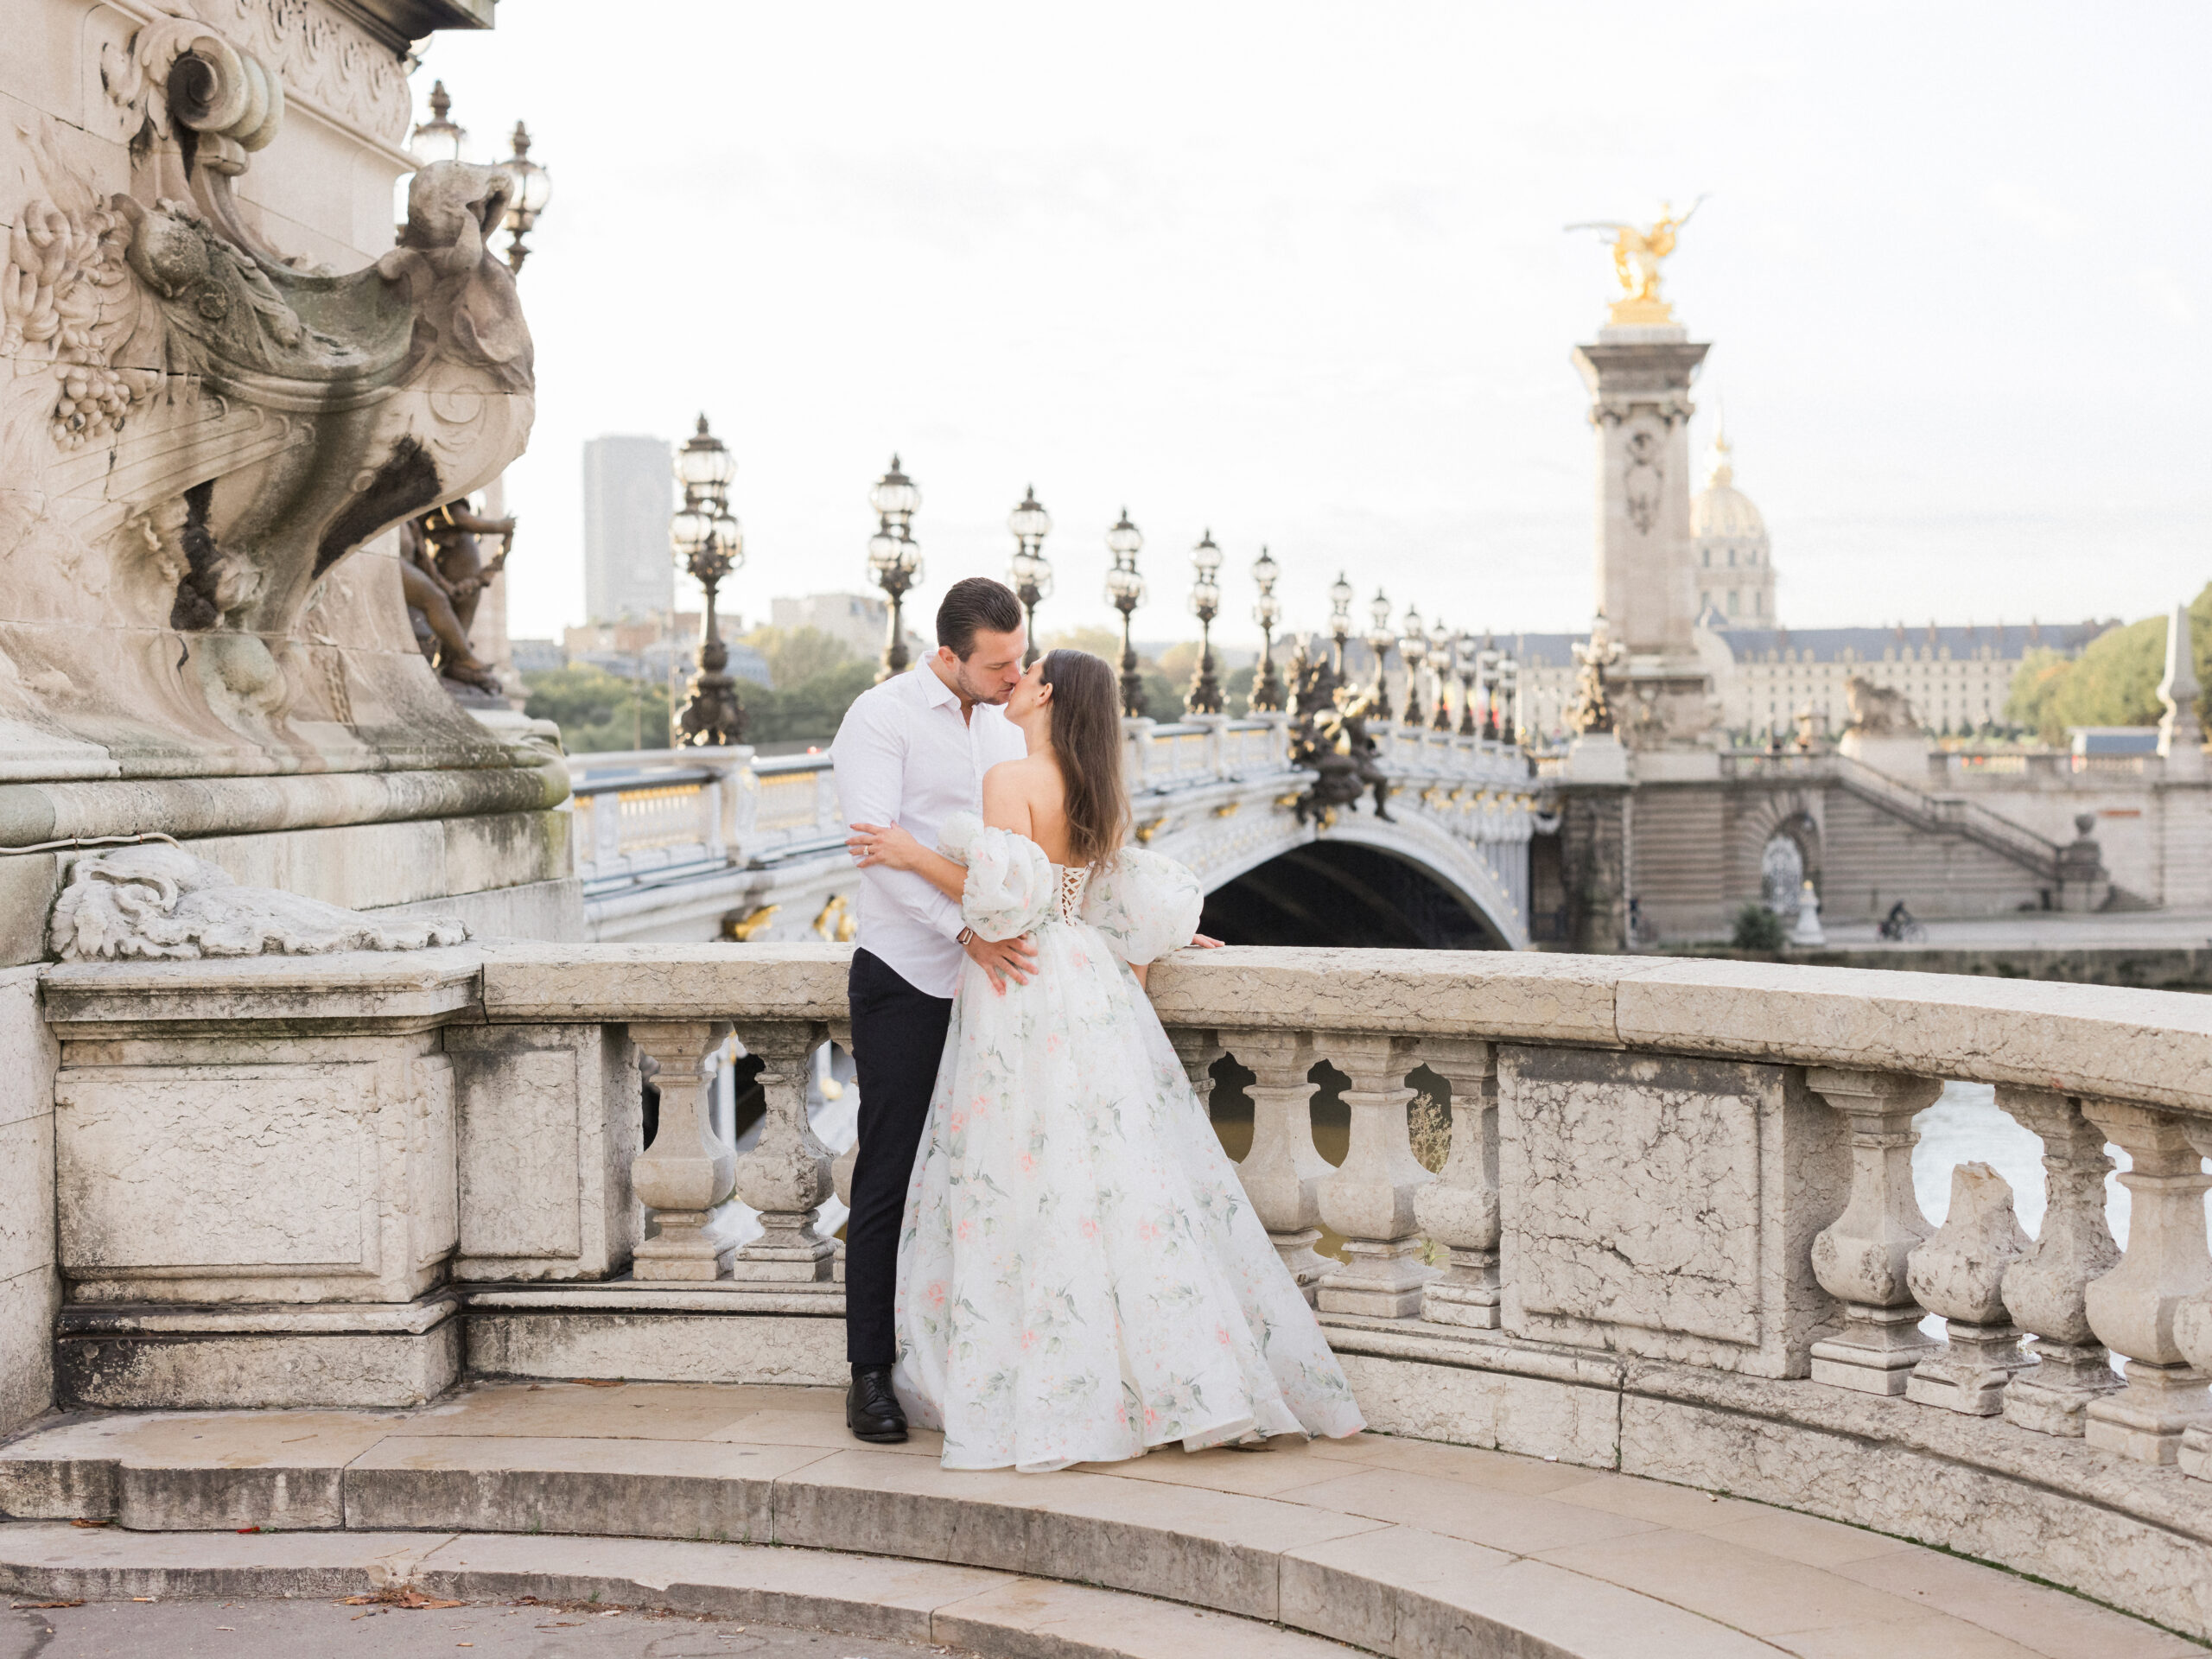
(1878, 710)
(158, 902)
(1638, 251)
(1592, 709)
(197, 430)
(1332, 741)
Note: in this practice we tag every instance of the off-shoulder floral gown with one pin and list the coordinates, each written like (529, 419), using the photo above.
(1080, 1276)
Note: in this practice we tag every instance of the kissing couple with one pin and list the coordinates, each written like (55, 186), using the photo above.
(1049, 1256)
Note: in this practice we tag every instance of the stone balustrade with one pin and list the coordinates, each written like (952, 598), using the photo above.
(1673, 1228)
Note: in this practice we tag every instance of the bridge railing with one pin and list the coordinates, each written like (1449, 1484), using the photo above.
(1630, 1212)
(649, 816)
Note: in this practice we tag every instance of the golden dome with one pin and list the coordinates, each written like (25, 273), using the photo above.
(1722, 514)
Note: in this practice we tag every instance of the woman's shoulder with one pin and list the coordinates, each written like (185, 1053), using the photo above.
(1029, 776)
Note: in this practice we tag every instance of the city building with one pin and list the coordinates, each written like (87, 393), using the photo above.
(1735, 568)
(858, 620)
(629, 497)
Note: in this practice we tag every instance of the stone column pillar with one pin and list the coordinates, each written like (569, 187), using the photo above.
(1959, 1273)
(1459, 1210)
(1371, 1199)
(786, 1176)
(2132, 1308)
(2044, 1289)
(1639, 381)
(1283, 1173)
(686, 1173)
(1593, 858)
(1860, 1258)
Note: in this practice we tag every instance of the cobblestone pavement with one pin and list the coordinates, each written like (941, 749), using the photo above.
(287, 1630)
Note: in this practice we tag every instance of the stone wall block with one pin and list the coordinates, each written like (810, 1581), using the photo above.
(1282, 1171)
(548, 1122)
(1861, 1258)
(786, 1176)
(1369, 1199)
(1459, 1210)
(306, 1170)
(2132, 1308)
(686, 1173)
(2044, 1288)
(1600, 1249)
(1959, 1273)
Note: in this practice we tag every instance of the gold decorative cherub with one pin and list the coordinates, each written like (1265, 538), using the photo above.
(1637, 254)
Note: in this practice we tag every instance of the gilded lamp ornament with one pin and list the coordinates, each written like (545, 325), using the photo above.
(1637, 252)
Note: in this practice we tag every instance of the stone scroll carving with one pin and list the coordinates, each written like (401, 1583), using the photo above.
(158, 902)
(197, 427)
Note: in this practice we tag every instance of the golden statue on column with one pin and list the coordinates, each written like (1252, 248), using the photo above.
(1637, 254)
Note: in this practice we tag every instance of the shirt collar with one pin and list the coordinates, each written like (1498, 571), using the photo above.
(935, 692)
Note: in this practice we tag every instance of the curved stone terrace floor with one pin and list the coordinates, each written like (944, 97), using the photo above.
(753, 1501)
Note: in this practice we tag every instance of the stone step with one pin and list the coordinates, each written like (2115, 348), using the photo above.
(1404, 1547)
(991, 1613)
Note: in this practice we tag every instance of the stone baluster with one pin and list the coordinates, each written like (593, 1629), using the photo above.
(2044, 1289)
(1459, 1210)
(1371, 1199)
(2132, 1308)
(685, 1174)
(841, 1170)
(1198, 1049)
(1959, 1273)
(786, 1175)
(1282, 1172)
(1860, 1258)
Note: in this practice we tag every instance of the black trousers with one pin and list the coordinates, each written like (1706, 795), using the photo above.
(898, 1039)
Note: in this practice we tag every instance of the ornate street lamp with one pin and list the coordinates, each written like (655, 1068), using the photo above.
(710, 544)
(1440, 640)
(1379, 641)
(437, 139)
(1413, 646)
(1509, 684)
(1267, 692)
(533, 189)
(1031, 576)
(1487, 661)
(1205, 696)
(1465, 650)
(1340, 617)
(894, 558)
(1125, 592)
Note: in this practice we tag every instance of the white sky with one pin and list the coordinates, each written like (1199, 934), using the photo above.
(1296, 272)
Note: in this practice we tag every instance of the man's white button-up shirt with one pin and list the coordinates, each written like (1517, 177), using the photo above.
(905, 756)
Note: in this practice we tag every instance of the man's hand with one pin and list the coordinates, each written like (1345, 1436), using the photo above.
(1002, 959)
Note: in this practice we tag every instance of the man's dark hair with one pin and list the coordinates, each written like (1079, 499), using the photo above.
(972, 605)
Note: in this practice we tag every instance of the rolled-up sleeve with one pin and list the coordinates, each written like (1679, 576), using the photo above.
(869, 761)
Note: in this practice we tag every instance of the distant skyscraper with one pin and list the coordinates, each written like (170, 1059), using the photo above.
(629, 494)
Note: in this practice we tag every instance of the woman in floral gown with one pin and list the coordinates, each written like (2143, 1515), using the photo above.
(1080, 1276)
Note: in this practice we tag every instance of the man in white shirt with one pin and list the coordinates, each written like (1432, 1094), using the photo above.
(912, 752)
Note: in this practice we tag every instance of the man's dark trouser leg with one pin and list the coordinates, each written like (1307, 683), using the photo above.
(898, 1039)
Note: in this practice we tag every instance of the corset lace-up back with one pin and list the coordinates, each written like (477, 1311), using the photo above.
(1073, 882)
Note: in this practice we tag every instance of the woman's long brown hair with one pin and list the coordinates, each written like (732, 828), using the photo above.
(1087, 742)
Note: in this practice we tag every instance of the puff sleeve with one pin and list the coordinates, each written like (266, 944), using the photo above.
(1010, 889)
(1145, 904)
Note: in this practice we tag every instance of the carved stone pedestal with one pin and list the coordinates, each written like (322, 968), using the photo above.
(1459, 1210)
(1370, 1198)
(2147, 1420)
(684, 1176)
(786, 1176)
(1860, 1258)
(2053, 1394)
(1971, 1373)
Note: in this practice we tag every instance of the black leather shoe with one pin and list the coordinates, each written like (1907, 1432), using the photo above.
(871, 1410)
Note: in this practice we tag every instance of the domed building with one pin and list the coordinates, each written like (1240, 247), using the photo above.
(1735, 569)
